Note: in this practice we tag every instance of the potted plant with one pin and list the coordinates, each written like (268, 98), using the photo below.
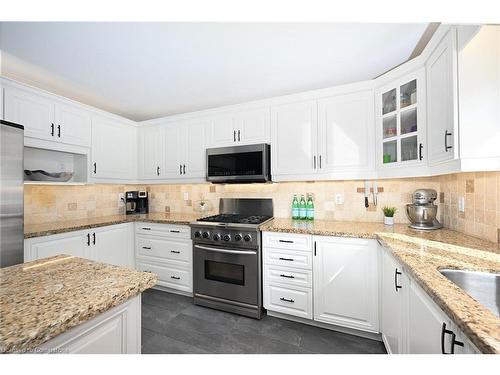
(389, 215)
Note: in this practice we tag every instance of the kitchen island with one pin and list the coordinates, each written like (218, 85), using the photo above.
(66, 304)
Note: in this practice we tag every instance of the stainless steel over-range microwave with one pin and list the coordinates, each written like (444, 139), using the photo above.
(239, 164)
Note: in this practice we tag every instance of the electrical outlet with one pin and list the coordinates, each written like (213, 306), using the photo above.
(62, 167)
(121, 197)
(339, 198)
(186, 196)
(461, 204)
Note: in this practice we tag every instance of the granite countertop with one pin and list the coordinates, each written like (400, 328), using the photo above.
(422, 255)
(42, 299)
(56, 227)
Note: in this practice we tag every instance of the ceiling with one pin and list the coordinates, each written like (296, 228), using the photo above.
(149, 70)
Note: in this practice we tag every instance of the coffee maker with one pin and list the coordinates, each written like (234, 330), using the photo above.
(422, 212)
(136, 202)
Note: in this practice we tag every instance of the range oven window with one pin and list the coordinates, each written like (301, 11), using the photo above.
(225, 272)
(237, 164)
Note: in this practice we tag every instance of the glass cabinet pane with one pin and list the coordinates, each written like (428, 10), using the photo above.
(390, 152)
(389, 124)
(389, 101)
(409, 148)
(408, 94)
(409, 121)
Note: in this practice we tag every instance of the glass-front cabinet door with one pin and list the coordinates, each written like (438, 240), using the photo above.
(401, 121)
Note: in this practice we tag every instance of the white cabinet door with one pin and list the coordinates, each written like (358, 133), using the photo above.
(114, 245)
(253, 126)
(425, 324)
(113, 149)
(194, 151)
(441, 98)
(294, 138)
(346, 132)
(223, 131)
(74, 243)
(172, 151)
(150, 152)
(34, 112)
(72, 125)
(346, 282)
(394, 294)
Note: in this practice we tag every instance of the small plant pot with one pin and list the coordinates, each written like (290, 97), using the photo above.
(388, 220)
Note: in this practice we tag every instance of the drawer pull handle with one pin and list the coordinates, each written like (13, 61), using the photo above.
(147, 247)
(288, 276)
(175, 277)
(175, 251)
(287, 259)
(287, 300)
(175, 231)
(146, 228)
(286, 241)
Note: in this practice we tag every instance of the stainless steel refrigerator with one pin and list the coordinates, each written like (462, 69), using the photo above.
(11, 194)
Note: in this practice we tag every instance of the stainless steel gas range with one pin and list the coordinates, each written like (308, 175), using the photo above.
(227, 266)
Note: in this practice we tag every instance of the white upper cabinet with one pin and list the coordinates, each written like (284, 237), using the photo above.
(72, 125)
(294, 131)
(442, 100)
(173, 151)
(240, 127)
(253, 126)
(47, 118)
(194, 152)
(345, 272)
(35, 112)
(150, 152)
(346, 132)
(113, 149)
(401, 125)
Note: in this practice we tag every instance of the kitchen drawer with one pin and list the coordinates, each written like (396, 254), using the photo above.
(301, 242)
(169, 276)
(169, 230)
(291, 301)
(176, 251)
(287, 275)
(288, 258)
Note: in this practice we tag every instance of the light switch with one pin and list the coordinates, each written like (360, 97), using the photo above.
(339, 198)
(461, 204)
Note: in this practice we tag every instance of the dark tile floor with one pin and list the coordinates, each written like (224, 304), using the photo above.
(172, 324)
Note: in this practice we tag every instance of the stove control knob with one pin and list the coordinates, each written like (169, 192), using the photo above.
(197, 234)
(205, 235)
(238, 237)
(226, 237)
(247, 238)
(216, 237)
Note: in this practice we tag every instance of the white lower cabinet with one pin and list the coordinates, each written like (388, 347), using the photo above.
(116, 331)
(394, 293)
(288, 274)
(110, 244)
(114, 244)
(335, 280)
(346, 282)
(167, 251)
(412, 323)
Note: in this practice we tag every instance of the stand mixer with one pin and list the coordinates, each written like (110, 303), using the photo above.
(422, 212)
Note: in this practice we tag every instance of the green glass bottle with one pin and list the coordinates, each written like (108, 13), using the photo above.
(295, 207)
(302, 208)
(310, 208)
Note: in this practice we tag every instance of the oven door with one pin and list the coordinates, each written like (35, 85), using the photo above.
(249, 163)
(227, 273)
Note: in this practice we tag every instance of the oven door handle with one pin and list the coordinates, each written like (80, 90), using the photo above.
(240, 252)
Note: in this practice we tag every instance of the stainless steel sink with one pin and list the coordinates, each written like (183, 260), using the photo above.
(482, 286)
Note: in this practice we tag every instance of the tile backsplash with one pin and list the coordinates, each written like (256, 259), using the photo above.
(480, 190)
